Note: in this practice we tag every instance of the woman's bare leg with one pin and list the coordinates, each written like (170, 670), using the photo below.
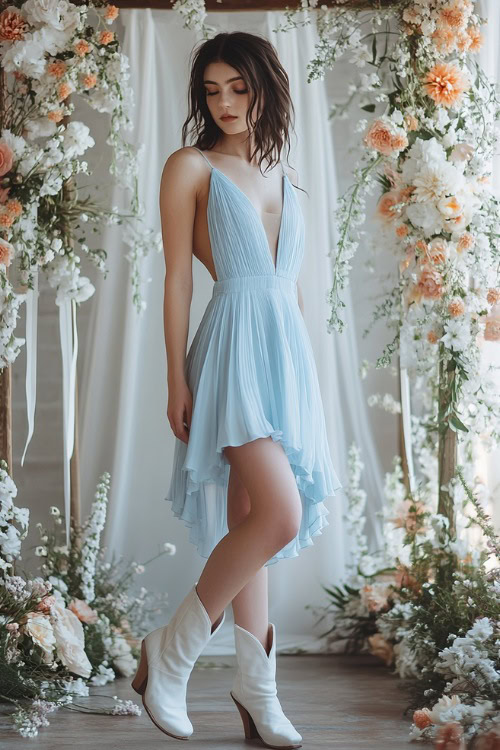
(273, 521)
(250, 605)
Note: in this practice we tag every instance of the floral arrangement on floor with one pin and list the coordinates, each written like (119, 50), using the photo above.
(428, 604)
(77, 624)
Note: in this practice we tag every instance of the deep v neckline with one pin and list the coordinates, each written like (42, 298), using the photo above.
(256, 213)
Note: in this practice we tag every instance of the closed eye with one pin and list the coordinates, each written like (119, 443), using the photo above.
(212, 93)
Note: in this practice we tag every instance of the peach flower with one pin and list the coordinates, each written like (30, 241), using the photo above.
(89, 80)
(381, 648)
(411, 122)
(454, 17)
(450, 737)
(438, 251)
(46, 604)
(445, 39)
(83, 611)
(445, 84)
(6, 158)
(401, 231)
(493, 296)
(82, 48)
(70, 641)
(55, 116)
(476, 37)
(381, 138)
(386, 205)
(6, 252)
(466, 242)
(456, 307)
(432, 337)
(105, 37)
(492, 328)
(64, 91)
(430, 283)
(57, 68)
(13, 26)
(405, 580)
(111, 13)
(421, 718)
(14, 207)
(39, 628)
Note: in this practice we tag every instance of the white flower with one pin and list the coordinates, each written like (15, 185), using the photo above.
(170, 548)
(482, 629)
(41, 551)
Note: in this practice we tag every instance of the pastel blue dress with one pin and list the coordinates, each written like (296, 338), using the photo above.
(251, 371)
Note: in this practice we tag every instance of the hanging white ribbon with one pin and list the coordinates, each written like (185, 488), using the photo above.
(69, 351)
(406, 412)
(31, 351)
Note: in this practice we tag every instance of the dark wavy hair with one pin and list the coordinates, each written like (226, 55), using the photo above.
(256, 60)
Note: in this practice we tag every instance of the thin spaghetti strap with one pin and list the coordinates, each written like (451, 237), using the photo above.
(201, 152)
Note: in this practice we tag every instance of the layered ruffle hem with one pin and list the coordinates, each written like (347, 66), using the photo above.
(252, 373)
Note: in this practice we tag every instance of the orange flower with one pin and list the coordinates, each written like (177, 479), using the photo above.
(57, 68)
(6, 158)
(13, 26)
(55, 116)
(105, 37)
(430, 283)
(438, 251)
(492, 328)
(450, 737)
(82, 47)
(421, 718)
(64, 91)
(401, 231)
(6, 219)
(432, 337)
(111, 13)
(14, 207)
(456, 307)
(445, 84)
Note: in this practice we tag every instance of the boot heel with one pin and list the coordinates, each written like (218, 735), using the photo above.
(141, 677)
(248, 723)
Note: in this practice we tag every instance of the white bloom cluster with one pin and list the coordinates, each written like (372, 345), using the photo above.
(92, 537)
(10, 514)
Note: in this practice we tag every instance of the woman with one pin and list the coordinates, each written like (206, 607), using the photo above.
(252, 464)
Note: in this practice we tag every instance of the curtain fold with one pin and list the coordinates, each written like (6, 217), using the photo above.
(124, 426)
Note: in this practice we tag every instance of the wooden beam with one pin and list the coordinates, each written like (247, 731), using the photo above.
(232, 5)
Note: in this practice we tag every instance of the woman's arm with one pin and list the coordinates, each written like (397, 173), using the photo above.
(178, 193)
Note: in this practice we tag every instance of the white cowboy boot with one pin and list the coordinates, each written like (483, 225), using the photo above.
(168, 655)
(255, 695)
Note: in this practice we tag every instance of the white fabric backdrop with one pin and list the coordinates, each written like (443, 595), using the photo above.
(123, 394)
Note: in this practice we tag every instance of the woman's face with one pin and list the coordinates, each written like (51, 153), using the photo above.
(226, 93)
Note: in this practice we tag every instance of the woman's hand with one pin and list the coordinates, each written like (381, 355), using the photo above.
(180, 409)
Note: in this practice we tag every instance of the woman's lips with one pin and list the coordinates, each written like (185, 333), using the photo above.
(231, 117)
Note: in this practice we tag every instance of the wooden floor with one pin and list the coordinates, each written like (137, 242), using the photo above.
(349, 702)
